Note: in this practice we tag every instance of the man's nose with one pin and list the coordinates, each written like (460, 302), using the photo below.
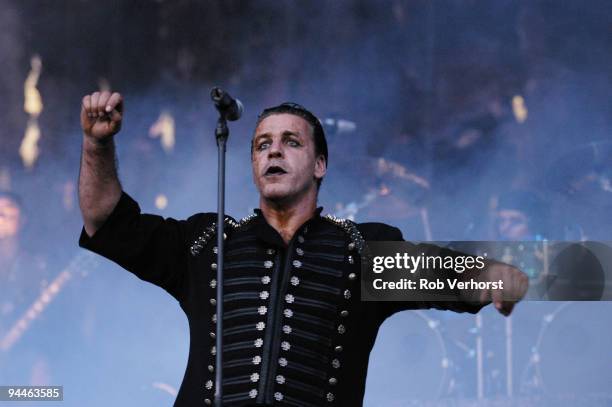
(275, 150)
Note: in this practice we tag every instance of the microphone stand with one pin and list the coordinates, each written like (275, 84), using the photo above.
(221, 134)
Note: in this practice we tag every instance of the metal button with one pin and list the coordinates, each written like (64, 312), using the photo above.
(212, 335)
(283, 362)
(288, 313)
(350, 260)
(258, 343)
(351, 246)
(213, 350)
(300, 239)
(260, 326)
(213, 266)
(208, 402)
(262, 310)
(213, 283)
(338, 348)
(352, 276)
(215, 250)
(256, 360)
(264, 295)
(289, 298)
(341, 329)
(330, 397)
(265, 280)
(278, 396)
(268, 264)
(270, 251)
(286, 329)
(209, 385)
(285, 345)
(335, 363)
(211, 368)
(214, 318)
(280, 379)
(297, 264)
(299, 251)
(255, 377)
(213, 301)
(295, 281)
(333, 381)
(253, 393)
(344, 313)
(347, 294)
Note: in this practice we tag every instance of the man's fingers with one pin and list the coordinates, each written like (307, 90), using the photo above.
(102, 102)
(95, 97)
(86, 105)
(115, 102)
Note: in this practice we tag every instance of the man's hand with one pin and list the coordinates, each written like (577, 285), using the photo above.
(101, 115)
(515, 284)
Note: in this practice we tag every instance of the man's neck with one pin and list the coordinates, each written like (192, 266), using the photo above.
(286, 218)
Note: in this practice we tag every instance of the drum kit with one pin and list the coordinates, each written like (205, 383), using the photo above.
(545, 348)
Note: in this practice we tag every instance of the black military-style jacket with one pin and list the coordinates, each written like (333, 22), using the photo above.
(295, 330)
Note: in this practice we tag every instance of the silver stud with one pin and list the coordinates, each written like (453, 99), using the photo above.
(213, 283)
(268, 264)
(338, 348)
(285, 345)
(344, 313)
(209, 385)
(253, 393)
(213, 350)
(213, 266)
(278, 396)
(265, 280)
(347, 294)
(295, 281)
(270, 251)
(301, 239)
(212, 335)
(335, 363)
(350, 260)
(215, 250)
(211, 368)
(289, 298)
(341, 329)
(256, 360)
(258, 343)
(299, 251)
(208, 402)
(288, 313)
(255, 377)
(262, 310)
(286, 329)
(333, 381)
(283, 362)
(297, 264)
(213, 301)
(351, 246)
(280, 379)
(352, 276)
(264, 295)
(330, 397)
(260, 326)
(214, 318)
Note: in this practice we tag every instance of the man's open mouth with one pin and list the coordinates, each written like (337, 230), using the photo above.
(274, 170)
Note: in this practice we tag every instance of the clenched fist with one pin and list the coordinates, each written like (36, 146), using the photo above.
(101, 115)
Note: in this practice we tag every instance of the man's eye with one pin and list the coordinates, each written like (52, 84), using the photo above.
(293, 143)
(263, 146)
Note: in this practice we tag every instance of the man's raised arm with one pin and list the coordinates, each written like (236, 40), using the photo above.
(99, 187)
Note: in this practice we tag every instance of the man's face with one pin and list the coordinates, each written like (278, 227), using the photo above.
(285, 167)
(512, 224)
(10, 218)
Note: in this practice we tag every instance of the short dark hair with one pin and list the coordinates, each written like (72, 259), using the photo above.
(300, 111)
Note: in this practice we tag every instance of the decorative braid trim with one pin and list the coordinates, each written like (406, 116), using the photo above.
(350, 228)
(211, 231)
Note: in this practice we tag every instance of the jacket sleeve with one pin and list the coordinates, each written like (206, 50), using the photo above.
(390, 233)
(153, 248)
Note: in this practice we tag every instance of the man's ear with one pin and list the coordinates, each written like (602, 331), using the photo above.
(320, 167)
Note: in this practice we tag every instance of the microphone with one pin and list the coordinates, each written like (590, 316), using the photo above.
(338, 126)
(230, 108)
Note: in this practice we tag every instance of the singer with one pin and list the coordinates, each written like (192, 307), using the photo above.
(295, 331)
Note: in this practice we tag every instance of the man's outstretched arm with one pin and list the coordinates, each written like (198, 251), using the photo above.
(99, 187)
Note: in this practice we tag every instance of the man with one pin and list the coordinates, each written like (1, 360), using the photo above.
(295, 332)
